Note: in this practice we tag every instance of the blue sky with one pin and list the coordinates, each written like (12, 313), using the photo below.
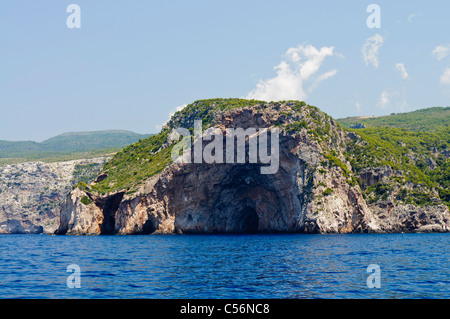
(132, 63)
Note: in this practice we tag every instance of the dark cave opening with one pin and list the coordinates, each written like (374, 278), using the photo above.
(110, 206)
(149, 226)
(248, 221)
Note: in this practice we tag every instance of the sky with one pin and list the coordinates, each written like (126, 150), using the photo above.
(130, 64)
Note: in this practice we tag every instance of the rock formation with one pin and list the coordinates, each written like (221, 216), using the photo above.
(31, 193)
(314, 190)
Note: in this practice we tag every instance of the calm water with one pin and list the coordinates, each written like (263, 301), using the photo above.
(225, 266)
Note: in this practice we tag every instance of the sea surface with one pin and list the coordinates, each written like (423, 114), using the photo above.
(225, 266)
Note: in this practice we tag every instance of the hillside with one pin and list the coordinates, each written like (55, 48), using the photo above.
(433, 119)
(87, 141)
(331, 179)
(75, 145)
(416, 143)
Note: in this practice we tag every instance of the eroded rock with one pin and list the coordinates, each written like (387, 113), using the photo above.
(312, 192)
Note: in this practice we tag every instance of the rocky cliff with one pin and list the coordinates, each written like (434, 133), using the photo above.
(31, 193)
(315, 190)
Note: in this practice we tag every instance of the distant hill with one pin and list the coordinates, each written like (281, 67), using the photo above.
(425, 120)
(88, 141)
(67, 145)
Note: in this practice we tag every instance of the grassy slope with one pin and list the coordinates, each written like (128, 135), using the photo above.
(67, 146)
(425, 120)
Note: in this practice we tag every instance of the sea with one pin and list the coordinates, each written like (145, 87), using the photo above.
(259, 266)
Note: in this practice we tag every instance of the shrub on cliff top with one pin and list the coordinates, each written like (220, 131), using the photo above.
(85, 200)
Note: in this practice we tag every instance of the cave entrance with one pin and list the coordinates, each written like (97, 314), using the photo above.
(110, 206)
(246, 203)
(149, 226)
(249, 221)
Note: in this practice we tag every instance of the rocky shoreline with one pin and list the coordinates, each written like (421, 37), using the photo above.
(31, 193)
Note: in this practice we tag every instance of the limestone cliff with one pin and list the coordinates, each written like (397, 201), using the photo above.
(31, 193)
(315, 189)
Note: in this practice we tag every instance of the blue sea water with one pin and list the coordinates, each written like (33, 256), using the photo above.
(225, 266)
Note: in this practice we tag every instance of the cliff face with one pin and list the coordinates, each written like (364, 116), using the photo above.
(31, 193)
(313, 191)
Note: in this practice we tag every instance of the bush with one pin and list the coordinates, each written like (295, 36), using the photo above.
(296, 126)
(86, 200)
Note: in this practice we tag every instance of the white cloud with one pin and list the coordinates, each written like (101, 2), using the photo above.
(178, 108)
(441, 51)
(356, 101)
(371, 48)
(445, 77)
(293, 73)
(412, 16)
(384, 99)
(392, 98)
(322, 78)
(401, 68)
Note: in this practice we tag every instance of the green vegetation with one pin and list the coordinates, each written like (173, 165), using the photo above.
(328, 192)
(334, 161)
(425, 120)
(298, 105)
(59, 157)
(85, 173)
(67, 146)
(82, 186)
(85, 200)
(296, 126)
(204, 109)
(417, 155)
(86, 141)
(380, 191)
(137, 162)
(393, 147)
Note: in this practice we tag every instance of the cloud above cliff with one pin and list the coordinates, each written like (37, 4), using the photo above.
(385, 99)
(441, 51)
(171, 113)
(371, 50)
(393, 98)
(400, 67)
(295, 75)
(412, 16)
(445, 77)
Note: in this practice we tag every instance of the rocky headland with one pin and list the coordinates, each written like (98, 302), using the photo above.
(330, 180)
